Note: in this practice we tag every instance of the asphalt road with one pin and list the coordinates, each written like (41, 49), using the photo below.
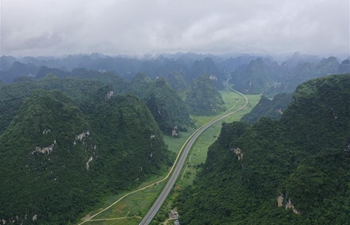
(163, 195)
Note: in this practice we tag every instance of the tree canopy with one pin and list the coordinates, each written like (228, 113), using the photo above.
(289, 171)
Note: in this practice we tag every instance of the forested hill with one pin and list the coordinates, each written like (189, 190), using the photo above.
(344, 66)
(168, 109)
(140, 84)
(157, 96)
(268, 108)
(176, 81)
(289, 171)
(12, 96)
(203, 98)
(62, 153)
(254, 78)
(265, 76)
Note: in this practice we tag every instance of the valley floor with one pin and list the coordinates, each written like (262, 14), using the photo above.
(128, 208)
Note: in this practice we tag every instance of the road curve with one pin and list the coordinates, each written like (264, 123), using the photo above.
(163, 195)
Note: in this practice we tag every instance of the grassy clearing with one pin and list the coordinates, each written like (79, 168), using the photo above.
(122, 221)
(175, 144)
(137, 204)
(134, 205)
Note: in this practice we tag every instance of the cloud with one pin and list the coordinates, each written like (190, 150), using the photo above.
(41, 27)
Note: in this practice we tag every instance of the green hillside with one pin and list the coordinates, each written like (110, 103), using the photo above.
(209, 67)
(268, 108)
(344, 67)
(59, 161)
(203, 98)
(327, 66)
(13, 95)
(168, 109)
(130, 141)
(120, 85)
(254, 78)
(176, 81)
(291, 171)
(43, 171)
(140, 84)
(11, 98)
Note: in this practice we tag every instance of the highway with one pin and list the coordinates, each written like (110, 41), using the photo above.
(163, 195)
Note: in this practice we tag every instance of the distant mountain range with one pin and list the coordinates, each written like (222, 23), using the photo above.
(248, 73)
(270, 78)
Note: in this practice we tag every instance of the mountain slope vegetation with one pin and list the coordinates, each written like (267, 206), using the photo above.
(13, 95)
(168, 109)
(268, 108)
(62, 153)
(289, 171)
(344, 66)
(176, 81)
(11, 98)
(254, 78)
(203, 98)
(43, 172)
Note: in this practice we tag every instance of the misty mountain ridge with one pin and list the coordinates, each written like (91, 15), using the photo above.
(249, 74)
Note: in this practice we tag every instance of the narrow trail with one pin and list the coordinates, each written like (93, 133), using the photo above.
(177, 166)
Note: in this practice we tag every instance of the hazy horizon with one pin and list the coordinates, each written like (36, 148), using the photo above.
(137, 28)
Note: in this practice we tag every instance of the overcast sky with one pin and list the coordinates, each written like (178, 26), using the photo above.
(135, 27)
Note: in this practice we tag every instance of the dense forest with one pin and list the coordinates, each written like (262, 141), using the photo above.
(168, 109)
(74, 137)
(78, 128)
(63, 150)
(268, 108)
(203, 98)
(80, 85)
(294, 170)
